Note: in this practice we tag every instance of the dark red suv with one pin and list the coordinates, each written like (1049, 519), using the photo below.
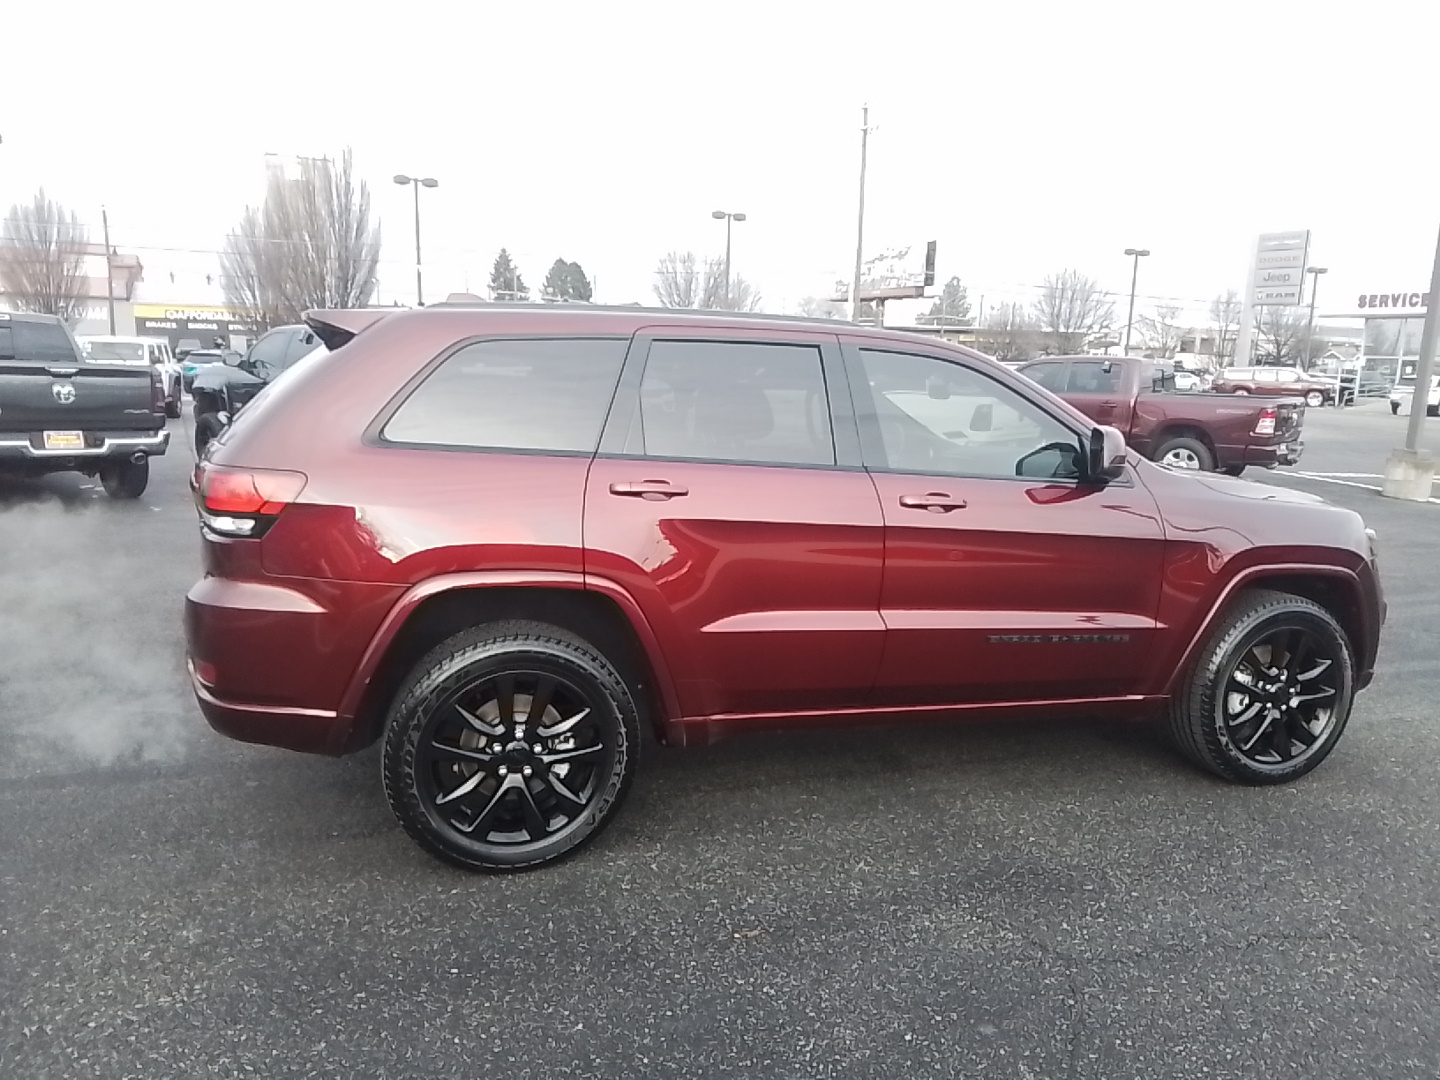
(504, 538)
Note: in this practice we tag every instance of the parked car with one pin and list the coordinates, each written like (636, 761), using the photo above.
(185, 346)
(221, 391)
(1187, 382)
(198, 359)
(141, 352)
(1404, 389)
(501, 538)
(1283, 381)
(62, 413)
(1185, 431)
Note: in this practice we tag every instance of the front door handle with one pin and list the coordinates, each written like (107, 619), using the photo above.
(937, 502)
(654, 490)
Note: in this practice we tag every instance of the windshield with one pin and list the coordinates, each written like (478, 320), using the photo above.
(115, 352)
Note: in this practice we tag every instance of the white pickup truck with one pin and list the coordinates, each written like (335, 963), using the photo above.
(140, 352)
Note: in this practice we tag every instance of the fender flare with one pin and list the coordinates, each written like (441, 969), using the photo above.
(418, 593)
(1247, 576)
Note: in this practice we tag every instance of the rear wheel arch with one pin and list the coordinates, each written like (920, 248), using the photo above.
(587, 613)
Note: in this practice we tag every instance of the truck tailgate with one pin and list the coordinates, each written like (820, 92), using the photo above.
(83, 397)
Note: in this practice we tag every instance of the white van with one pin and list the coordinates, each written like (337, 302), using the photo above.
(138, 351)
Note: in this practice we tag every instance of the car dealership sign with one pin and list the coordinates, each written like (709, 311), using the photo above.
(1414, 301)
(1278, 274)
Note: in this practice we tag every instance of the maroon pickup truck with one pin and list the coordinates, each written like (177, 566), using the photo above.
(1189, 431)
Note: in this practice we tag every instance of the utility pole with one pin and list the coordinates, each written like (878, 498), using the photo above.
(860, 226)
(1138, 254)
(109, 287)
(1314, 272)
(1410, 471)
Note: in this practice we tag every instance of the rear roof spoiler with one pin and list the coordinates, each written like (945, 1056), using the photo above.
(338, 326)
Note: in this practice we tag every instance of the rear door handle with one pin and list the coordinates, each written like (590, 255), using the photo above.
(654, 490)
(937, 502)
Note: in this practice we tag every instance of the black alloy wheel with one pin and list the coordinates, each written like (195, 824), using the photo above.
(207, 427)
(1270, 692)
(512, 745)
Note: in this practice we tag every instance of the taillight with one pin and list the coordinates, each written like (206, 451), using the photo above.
(1266, 424)
(157, 392)
(243, 502)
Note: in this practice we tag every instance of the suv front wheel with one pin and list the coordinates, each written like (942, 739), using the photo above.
(509, 746)
(1269, 693)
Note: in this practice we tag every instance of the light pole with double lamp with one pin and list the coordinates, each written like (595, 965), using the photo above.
(1138, 253)
(728, 217)
(418, 182)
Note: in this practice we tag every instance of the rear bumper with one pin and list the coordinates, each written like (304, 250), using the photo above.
(1286, 453)
(311, 731)
(23, 448)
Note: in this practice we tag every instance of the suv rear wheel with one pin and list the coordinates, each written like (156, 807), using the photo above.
(509, 746)
(1270, 692)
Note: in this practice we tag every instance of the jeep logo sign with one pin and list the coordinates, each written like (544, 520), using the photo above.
(64, 392)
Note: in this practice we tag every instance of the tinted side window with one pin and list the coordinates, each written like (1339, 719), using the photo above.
(939, 417)
(736, 401)
(43, 342)
(1090, 377)
(536, 394)
(1050, 376)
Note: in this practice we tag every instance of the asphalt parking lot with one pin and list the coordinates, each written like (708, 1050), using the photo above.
(1023, 900)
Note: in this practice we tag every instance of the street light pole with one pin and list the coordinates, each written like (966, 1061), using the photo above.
(1310, 322)
(1138, 253)
(860, 225)
(729, 216)
(417, 182)
(109, 271)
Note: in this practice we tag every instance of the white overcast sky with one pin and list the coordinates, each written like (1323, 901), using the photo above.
(1023, 137)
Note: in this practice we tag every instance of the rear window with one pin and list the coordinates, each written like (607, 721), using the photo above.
(532, 394)
(37, 342)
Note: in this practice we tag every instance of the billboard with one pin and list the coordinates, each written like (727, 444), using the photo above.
(893, 274)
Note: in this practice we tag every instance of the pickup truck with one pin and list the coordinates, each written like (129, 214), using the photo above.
(1211, 432)
(60, 413)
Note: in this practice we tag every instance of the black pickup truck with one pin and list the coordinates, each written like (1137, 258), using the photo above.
(60, 413)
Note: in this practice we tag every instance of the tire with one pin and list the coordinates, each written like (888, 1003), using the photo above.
(520, 795)
(1208, 717)
(125, 479)
(1394, 408)
(1240, 391)
(1233, 470)
(172, 406)
(1183, 452)
(1314, 399)
(207, 426)
(1432, 410)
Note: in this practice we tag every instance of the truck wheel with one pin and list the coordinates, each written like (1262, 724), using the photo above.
(1432, 410)
(172, 406)
(509, 746)
(1314, 399)
(1269, 693)
(125, 479)
(1394, 408)
(1240, 391)
(1183, 452)
(207, 426)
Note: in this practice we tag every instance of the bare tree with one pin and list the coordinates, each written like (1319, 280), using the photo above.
(309, 245)
(1160, 333)
(42, 259)
(682, 281)
(1009, 332)
(1225, 319)
(817, 307)
(1072, 309)
(1280, 335)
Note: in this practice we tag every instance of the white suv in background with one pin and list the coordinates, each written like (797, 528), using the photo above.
(1404, 390)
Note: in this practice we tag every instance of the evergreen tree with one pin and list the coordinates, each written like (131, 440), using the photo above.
(505, 280)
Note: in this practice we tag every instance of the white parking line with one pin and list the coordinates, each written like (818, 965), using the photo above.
(1339, 478)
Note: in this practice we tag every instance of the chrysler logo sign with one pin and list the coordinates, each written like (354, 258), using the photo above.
(64, 392)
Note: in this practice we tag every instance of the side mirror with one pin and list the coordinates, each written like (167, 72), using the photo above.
(937, 388)
(232, 359)
(1107, 367)
(1106, 458)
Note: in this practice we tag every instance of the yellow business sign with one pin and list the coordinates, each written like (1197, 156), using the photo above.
(211, 314)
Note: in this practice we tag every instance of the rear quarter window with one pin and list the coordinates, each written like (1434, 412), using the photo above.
(548, 394)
